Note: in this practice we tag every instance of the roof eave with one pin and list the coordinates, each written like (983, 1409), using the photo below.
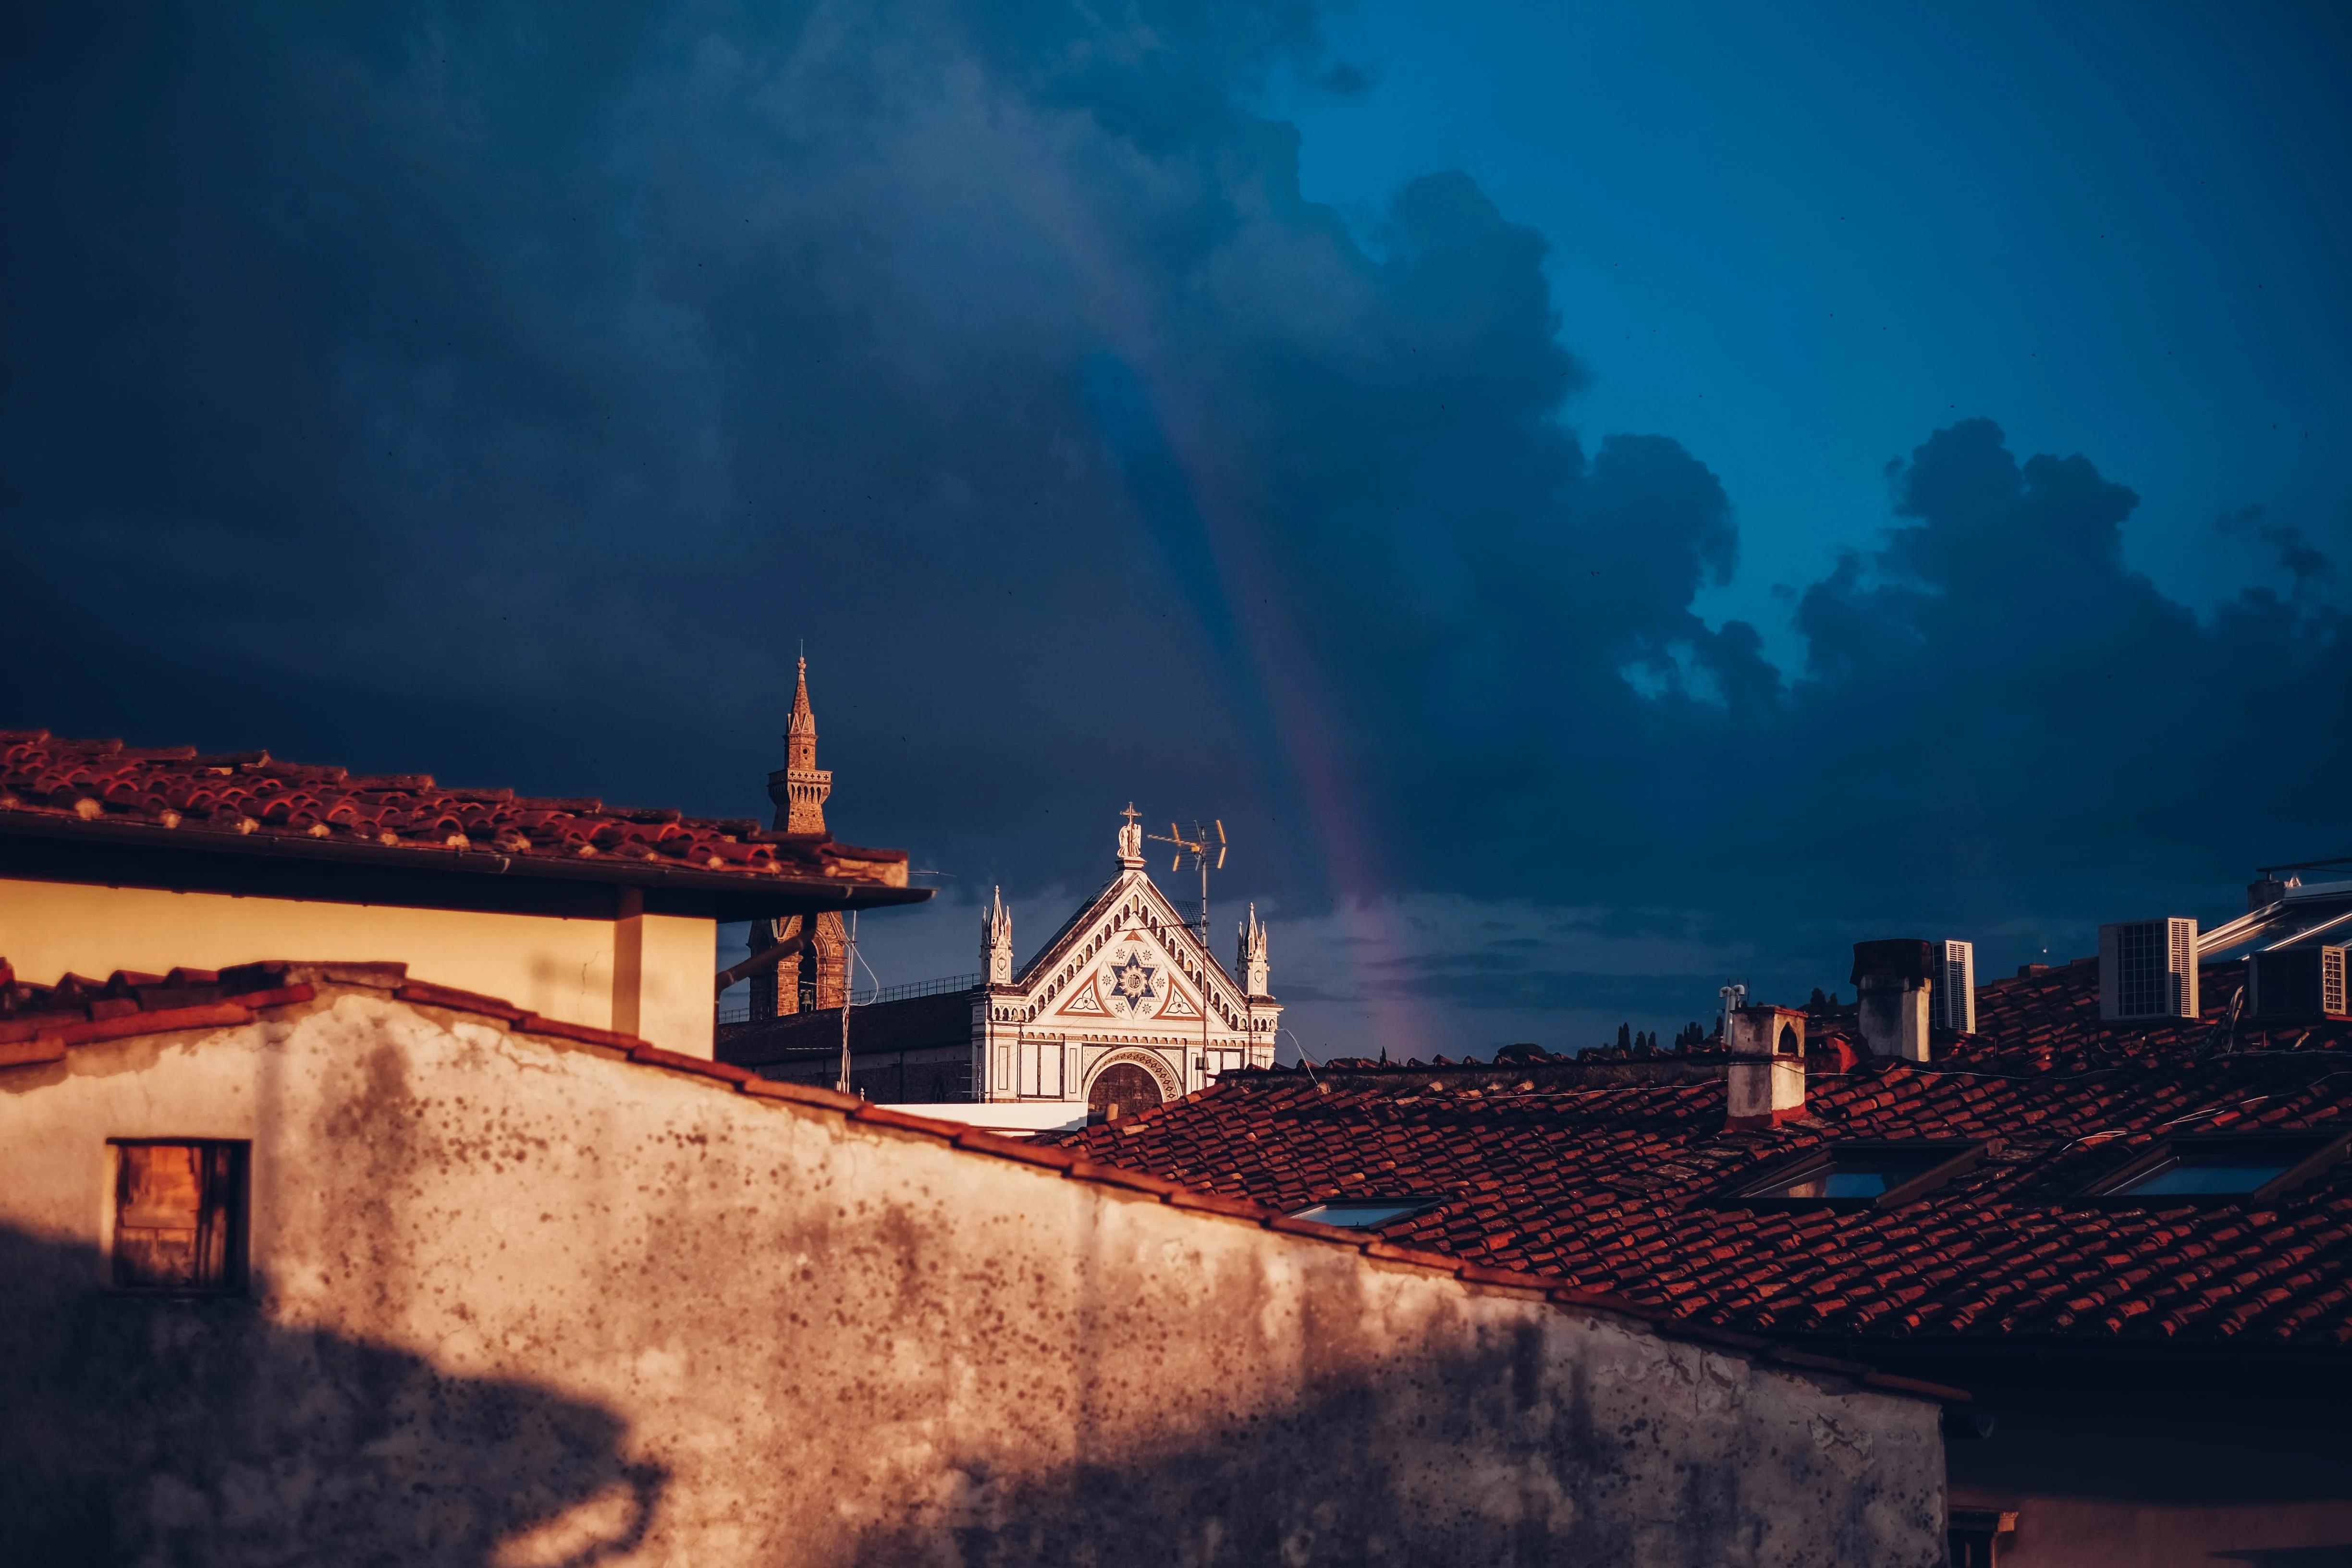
(732, 895)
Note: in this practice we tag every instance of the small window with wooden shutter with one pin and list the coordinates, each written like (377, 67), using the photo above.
(178, 1215)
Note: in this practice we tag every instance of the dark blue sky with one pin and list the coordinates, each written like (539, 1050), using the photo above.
(1596, 501)
(1797, 237)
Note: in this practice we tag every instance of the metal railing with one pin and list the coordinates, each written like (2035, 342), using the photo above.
(938, 987)
(739, 1011)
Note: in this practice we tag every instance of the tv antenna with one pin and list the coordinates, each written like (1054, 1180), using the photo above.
(1206, 846)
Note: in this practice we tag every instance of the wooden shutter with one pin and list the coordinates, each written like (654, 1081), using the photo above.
(178, 1215)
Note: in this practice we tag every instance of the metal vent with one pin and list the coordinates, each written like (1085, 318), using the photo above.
(1955, 987)
(2142, 984)
(2286, 984)
(2180, 991)
(2148, 968)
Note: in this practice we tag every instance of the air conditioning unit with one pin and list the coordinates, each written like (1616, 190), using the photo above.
(2297, 982)
(2148, 968)
(1955, 996)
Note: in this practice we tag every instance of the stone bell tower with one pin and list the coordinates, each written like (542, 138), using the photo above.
(817, 978)
(800, 788)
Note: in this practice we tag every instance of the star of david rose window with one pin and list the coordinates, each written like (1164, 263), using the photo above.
(1132, 993)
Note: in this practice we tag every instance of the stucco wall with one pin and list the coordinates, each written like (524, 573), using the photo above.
(562, 968)
(519, 1303)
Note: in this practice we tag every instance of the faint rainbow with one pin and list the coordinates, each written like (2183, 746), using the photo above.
(1285, 684)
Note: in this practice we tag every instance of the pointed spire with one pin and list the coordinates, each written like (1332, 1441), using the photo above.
(996, 939)
(800, 787)
(804, 722)
(1252, 960)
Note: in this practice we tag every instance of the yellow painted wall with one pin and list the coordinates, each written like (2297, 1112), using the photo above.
(673, 1004)
(648, 976)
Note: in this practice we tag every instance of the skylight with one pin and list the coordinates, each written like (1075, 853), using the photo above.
(1369, 1214)
(1860, 1174)
(1849, 1178)
(2221, 1165)
(2179, 1177)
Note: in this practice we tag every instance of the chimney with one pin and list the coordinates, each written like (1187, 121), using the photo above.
(1896, 978)
(1767, 1080)
(2266, 890)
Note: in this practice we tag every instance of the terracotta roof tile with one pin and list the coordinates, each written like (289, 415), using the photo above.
(43, 777)
(1619, 1187)
(80, 1009)
(39, 1023)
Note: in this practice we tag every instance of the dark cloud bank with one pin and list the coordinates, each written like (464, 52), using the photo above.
(505, 391)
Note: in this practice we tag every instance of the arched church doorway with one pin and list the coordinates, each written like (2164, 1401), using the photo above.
(1121, 1090)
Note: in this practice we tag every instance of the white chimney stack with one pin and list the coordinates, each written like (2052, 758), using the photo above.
(1767, 1079)
(1895, 980)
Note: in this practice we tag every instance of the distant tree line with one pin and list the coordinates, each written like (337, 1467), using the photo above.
(1632, 1042)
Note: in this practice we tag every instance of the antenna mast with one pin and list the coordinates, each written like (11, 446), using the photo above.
(1205, 844)
(848, 984)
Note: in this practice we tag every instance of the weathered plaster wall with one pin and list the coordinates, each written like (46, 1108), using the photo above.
(518, 1304)
(562, 968)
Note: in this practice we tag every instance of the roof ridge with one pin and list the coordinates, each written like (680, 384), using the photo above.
(308, 977)
(1085, 912)
(173, 797)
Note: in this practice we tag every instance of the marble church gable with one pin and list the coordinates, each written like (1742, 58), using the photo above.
(1134, 963)
(1124, 1008)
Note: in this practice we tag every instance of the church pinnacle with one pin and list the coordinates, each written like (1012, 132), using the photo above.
(1251, 958)
(800, 787)
(996, 939)
(1130, 839)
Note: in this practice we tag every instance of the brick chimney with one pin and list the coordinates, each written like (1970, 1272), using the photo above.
(1767, 1080)
(1895, 979)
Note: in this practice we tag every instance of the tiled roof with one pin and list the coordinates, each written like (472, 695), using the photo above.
(38, 1022)
(46, 781)
(1620, 1186)
(40, 1025)
(2052, 1016)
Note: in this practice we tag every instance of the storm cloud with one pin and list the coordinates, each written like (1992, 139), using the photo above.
(510, 393)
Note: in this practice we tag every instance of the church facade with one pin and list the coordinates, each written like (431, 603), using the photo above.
(1124, 1007)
